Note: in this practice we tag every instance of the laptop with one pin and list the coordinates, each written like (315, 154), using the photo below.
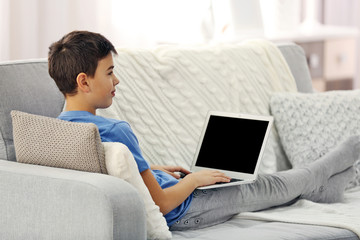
(232, 143)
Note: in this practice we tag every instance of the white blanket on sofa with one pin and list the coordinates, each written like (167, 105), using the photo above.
(165, 93)
(342, 215)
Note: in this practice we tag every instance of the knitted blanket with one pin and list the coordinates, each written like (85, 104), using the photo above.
(343, 215)
(165, 94)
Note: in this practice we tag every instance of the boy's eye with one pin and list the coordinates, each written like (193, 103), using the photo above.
(110, 73)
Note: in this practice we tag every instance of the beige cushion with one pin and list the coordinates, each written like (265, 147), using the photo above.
(56, 143)
(121, 163)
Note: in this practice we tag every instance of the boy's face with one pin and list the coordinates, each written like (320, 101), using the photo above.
(103, 83)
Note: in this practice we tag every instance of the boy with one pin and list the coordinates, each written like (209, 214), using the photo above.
(82, 66)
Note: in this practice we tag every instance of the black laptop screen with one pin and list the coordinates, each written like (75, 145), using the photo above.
(232, 144)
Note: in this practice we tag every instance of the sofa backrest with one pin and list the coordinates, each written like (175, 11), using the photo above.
(25, 86)
(295, 57)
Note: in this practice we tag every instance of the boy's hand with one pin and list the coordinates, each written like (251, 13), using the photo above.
(208, 177)
(169, 198)
(171, 170)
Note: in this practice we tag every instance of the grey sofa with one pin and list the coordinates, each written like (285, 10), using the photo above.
(39, 202)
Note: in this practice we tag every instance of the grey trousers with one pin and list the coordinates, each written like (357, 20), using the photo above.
(214, 206)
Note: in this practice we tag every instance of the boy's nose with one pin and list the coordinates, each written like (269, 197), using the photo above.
(116, 81)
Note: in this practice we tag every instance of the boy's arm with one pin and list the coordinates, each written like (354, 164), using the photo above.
(169, 198)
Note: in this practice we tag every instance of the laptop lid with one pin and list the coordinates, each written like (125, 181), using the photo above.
(232, 143)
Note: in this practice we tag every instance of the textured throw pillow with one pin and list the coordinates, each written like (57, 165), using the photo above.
(56, 143)
(121, 163)
(311, 124)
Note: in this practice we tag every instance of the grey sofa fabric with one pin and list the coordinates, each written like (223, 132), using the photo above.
(3, 154)
(295, 57)
(48, 203)
(25, 86)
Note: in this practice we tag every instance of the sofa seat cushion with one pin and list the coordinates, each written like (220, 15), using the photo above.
(236, 229)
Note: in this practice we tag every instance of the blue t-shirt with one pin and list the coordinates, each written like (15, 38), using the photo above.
(112, 130)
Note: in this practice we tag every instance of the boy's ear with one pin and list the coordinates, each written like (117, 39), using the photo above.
(82, 82)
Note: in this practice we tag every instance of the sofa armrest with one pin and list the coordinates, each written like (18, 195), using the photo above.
(39, 202)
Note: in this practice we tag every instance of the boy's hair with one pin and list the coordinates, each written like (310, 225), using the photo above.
(76, 52)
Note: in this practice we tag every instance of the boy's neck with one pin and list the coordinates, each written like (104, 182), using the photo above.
(73, 104)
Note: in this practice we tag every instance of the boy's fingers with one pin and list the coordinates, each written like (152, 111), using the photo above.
(222, 176)
(180, 169)
(183, 170)
(225, 179)
(175, 175)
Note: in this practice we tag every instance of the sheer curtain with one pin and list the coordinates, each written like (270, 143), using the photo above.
(28, 27)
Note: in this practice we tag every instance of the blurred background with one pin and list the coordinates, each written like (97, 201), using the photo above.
(328, 30)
